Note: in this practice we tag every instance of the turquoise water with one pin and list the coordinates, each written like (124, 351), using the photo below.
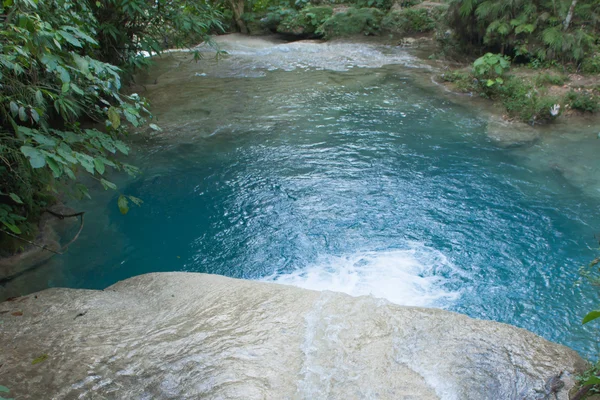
(367, 182)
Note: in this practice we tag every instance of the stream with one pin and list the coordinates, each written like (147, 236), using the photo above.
(342, 167)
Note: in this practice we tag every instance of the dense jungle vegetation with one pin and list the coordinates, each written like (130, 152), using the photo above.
(62, 67)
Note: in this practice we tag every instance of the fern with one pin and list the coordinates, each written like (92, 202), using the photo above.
(553, 37)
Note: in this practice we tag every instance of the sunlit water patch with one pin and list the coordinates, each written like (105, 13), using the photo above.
(363, 181)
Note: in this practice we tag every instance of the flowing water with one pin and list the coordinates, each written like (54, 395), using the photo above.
(341, 167)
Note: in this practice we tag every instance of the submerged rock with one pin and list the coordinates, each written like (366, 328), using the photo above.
(190, 336)
(511, 134)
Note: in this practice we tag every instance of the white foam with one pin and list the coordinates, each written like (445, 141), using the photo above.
(251, 54)
(416, 276)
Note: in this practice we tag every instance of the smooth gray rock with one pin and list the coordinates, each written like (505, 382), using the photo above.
(192, 336)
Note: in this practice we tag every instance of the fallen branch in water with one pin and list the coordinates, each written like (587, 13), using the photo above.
(62, 250)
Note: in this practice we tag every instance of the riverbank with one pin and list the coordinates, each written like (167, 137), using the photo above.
(185, 336)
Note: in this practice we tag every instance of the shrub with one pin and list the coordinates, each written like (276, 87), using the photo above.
(305, 22)
(254, 23)
(408, 21)
(583, 101)
(273, 18)
(380, 4)
(549, 79)
(526, 102)
(527, 29)
(355, 21)
(591, 65)
(463, 82)
(491, 65)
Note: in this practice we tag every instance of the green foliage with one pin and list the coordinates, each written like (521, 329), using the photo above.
(463, 82)
(407, 21)
(523, 100)
(592, 315)
(583, 101)
(128, 28)
(306, 21)
(380, 4)
(255, 23)
(550, 79)
(409, 3)
(591, 65)
(527, 29)
(62, 111)
(355, 21)
(491, 65)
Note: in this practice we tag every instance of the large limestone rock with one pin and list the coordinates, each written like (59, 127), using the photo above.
(192, 336)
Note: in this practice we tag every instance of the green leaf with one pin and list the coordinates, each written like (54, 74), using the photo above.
(36, 158)
(70, 38)
(123, 204)
(82, 63)
(86, 162)
(155, 127)
(592, 315)
(55, 167)
(4, 389)
(138, 202)
(65, 87)
(70, 173)
(42, 140)
(83, 190)
(64, 74)
(122, 147)
(133, 120)
(592, 380)
(77, 89)
(65, 152)
(490, 83)
(40, 359)
(108, 185)
(113, 117)
(39, 97)
(99, 165)
(22, 114)
(35, 115)
(15, 198)
(14, 108)
(12, 227)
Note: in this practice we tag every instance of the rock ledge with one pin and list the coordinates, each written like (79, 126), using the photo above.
(191, 336)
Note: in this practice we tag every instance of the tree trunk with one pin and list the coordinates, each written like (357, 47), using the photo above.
(570, 15)
(237, 6)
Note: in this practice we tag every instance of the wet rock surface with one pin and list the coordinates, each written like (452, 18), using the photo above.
(190, 336)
